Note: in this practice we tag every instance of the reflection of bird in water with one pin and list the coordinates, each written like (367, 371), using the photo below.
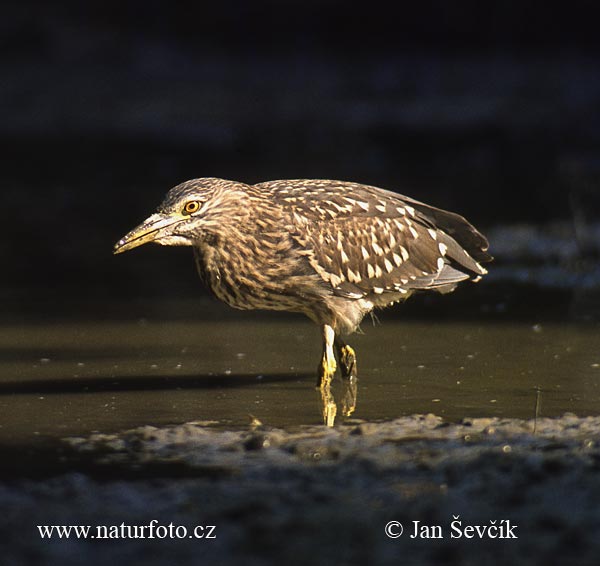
(332, 250)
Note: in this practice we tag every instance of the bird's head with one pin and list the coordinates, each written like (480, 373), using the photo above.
(190, 212)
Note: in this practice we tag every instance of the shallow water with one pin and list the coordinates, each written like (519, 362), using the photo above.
(73, 378)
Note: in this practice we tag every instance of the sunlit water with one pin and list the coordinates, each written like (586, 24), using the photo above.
(70, 379)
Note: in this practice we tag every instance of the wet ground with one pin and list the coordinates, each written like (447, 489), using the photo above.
(80, 377)
(499, 491)
(213, 427)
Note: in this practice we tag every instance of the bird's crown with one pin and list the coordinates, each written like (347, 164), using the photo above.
(181, 197)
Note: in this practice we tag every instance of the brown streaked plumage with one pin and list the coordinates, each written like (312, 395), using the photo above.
(332, 250)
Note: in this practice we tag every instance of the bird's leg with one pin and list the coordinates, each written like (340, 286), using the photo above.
(347, 358)
(326, 371)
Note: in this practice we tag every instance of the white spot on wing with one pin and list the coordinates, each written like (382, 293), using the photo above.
(404, 253)
(339, 207)
(353, 277)
(335, 280)
(377, 248)
(388, 265)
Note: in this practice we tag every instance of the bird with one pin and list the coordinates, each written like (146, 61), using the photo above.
(332, 250)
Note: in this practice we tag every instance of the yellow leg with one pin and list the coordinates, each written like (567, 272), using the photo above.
(326, 372)
(347, 360)
(347, 357)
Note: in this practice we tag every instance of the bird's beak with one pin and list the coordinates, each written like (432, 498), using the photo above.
(148, 231)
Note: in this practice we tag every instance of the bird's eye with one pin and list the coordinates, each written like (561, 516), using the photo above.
(191, 207)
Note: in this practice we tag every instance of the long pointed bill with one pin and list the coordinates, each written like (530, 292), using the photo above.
(147, 231)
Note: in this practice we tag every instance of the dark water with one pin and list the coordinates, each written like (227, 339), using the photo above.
(73, 378)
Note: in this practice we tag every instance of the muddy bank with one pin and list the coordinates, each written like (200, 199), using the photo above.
(324, 496)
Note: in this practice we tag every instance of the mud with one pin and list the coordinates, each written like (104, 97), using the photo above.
(324, 496)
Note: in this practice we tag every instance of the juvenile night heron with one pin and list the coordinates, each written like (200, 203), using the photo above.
(332, 250)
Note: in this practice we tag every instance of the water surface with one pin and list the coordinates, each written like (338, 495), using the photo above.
(72, 378)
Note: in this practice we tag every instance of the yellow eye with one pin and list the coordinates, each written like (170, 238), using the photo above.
(191, 207)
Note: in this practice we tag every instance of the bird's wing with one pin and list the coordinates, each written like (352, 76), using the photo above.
(363, 254)
(365, 240)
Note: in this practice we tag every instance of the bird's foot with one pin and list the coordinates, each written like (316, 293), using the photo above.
(348, 361)
(349, 369)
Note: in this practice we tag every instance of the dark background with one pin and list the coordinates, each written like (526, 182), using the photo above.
(489, 109)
